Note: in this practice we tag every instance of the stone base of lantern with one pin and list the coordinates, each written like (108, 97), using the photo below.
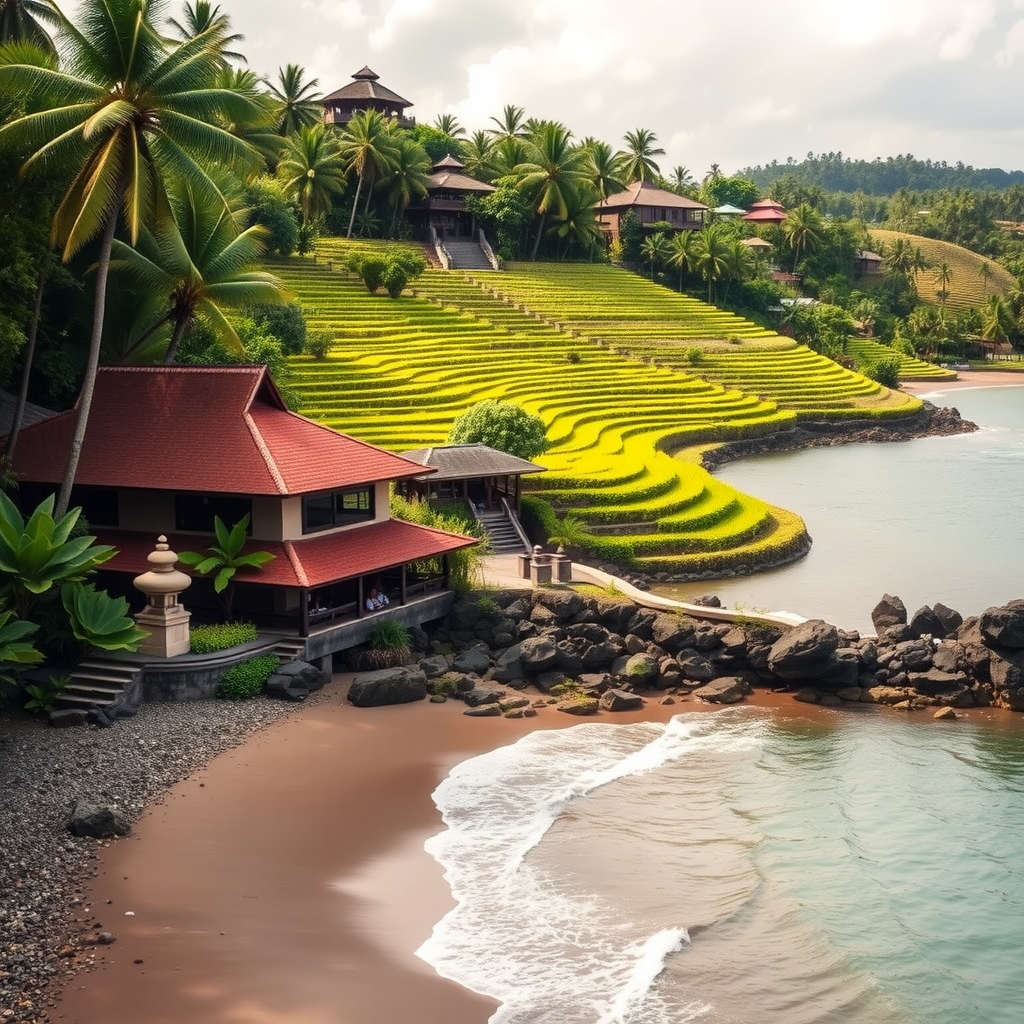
(168, 631)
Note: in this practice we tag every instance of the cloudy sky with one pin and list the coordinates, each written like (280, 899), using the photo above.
(732, 82)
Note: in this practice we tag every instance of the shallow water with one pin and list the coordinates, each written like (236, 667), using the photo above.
(929, 520)
(739, 866)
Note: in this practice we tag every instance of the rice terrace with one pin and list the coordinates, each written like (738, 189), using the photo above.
(632, 381)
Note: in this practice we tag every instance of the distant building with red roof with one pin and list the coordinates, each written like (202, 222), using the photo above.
(652, 205)
(168, 448)
(765, 211)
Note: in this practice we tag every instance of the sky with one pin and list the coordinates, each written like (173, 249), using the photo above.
(731, 82)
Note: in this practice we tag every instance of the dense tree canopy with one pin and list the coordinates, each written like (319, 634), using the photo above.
(502, 425)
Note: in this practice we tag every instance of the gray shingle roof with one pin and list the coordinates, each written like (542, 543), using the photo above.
(470, 461)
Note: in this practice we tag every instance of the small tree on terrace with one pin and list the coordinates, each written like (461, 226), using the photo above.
(502, 425)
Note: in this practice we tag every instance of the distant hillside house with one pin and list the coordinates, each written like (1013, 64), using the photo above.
(866, 263)
(765, 211)
(365, 92)
(444, 207)
(652, 205)
(168, 448)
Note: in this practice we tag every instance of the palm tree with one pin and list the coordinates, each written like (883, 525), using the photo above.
(200, 260)
(201, 16)
(410, 174)
(313, 170)
(579, 225)
(681, 180)
(367, 147)
(985, 271)
(511, 124)
(297, 99)
(739, 262)
(899, 257)
(997, 320)
(478, 156)
(606, 168)
(507, 155)
(20, 23)
(638, 163)
(553, 170)
(129, 112)
(683, 252)
(942, 278)
(803, 228)
(711, 255)
(656, 250)
(449, 124)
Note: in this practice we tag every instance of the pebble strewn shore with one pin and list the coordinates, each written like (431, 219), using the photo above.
(47, 930)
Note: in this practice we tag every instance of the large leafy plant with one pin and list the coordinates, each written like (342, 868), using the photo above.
(225, 558)
(99, 620)
(39, 554)
(15, 648)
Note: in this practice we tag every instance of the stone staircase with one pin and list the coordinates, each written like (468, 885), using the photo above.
(502, 534)
(466, 255)
(98, 682)
(289, 648)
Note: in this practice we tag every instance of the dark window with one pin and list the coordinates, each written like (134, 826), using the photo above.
(336, 508)
(194, 513)
(99, 505)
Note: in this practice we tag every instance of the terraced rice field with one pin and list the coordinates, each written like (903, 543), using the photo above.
(866, 351)
(400, 372)
(967, 287)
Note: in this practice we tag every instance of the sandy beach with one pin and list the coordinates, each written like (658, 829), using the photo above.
(287, 882)
(967, 379)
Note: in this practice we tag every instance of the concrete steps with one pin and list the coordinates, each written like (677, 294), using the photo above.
(502, 534)
(466, 255)
(96, 682)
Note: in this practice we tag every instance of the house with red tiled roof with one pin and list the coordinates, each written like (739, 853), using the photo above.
(765, 211)
(654, 206)
(365, 92)
(168, 448)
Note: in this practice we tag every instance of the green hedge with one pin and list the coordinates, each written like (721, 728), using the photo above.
(247, 679)
(210, 639)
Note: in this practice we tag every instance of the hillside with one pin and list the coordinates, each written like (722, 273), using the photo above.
(399, 372)
(967, 287)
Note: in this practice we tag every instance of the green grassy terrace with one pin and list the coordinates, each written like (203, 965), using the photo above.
(400, 372)
(865, 351)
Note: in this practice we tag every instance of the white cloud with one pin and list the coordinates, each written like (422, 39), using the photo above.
(396, 14)
(348, 14)
(1013, 44)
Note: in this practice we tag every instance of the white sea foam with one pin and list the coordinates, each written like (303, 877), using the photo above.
(530, 939)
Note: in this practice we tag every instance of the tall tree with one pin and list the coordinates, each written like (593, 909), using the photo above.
(478, 156)
(449, 124)
(297, 99)
(203, 263)
(681, 180)
(202, 16)
(942, 278)
(551, 172)
(711, 255)
(23, 21)
(656, 250)
(313, 170)
(803, 228)
(682, 253)
(511, 124)
(125, 112)
(607, 175)
(409, 177)
(638, 158)
(985, 272)
(367, 147)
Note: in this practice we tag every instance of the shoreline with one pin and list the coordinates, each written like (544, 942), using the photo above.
(282, 882)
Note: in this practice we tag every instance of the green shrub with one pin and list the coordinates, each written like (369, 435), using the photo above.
(388, 635)
(372, 269)
(318, 344)
(885, 370)
(247, 679)
(209, 639)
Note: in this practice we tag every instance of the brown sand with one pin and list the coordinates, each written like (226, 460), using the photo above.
(967, 379)
(287, 881)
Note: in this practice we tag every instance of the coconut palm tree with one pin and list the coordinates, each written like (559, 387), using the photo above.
(511, 124)
(579, 225)
(681, 180)
(553, 170)
(449, 124)
(803, 229)
(682, 253)
(739, 263)
(22, 21)
(942, 277)
(367, 147)
(201, 16)
(656, 250)
(638, 158)
(478, 156)
(985, 272)
(506, 155)
(607, 174)
(297, 99)
(203, 263)
(410, 174)
(126, 112)
(313, 170)
(711, 255)
(899, 257)
(997, 322)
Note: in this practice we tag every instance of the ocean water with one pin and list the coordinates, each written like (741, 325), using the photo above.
(930, 520)
(740, 866)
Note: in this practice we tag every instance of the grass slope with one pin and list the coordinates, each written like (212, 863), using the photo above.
(967, 288)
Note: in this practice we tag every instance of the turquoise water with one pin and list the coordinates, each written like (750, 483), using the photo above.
(929, 520)
(740, 866)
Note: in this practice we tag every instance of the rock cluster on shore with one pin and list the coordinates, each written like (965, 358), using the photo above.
(586, 654)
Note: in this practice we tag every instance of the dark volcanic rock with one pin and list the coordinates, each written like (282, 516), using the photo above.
(890, 611)
(620, 700)
(807, 651)
(1004, 626)
(387, 686)
(101, 821)
(727, 690)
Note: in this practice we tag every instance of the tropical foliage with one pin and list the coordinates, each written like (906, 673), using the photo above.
(502, 425)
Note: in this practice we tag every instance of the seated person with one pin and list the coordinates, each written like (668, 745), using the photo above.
(375, 600)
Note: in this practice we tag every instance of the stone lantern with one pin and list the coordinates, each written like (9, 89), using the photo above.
(163, 618)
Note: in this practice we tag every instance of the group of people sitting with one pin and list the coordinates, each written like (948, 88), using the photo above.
(376, 599)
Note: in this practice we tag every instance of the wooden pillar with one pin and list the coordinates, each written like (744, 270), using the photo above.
(404, 583)
(446, 572)
(360, 600)
(303, 612)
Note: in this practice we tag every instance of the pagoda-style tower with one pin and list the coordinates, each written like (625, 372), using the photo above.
(365, 92)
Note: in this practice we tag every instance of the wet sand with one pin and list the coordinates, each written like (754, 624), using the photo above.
(966, 379)
(287, 881)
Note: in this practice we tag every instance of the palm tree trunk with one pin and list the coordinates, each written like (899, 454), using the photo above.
(92, 363)
(179, 333)
(26, 369)
(536, 241)
(355, 203)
